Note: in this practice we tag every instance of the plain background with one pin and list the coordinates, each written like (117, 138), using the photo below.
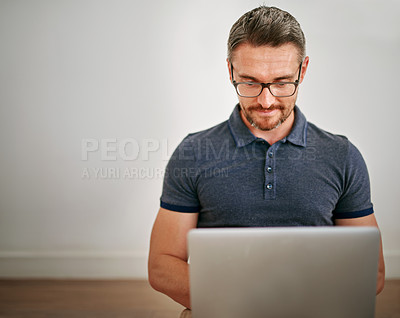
(136, 77)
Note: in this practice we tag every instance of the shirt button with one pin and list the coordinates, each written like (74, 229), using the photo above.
(269, 186)
(270, 154)
(269, 169)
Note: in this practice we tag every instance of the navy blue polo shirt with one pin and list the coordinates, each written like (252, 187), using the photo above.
(232, 178)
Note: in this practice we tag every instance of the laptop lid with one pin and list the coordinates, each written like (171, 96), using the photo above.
(308, 272)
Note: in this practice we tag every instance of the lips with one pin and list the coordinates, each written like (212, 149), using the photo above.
(262, 109)
(265, 111)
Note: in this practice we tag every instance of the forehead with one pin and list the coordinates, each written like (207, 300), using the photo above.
(265, 60)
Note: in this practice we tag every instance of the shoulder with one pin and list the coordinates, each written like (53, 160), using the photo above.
(334, 146)
(316, 134)
(215, 132)
(327, 140)
(211, 137)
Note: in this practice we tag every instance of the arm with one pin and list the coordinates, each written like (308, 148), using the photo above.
(368, 220)
(167, 266)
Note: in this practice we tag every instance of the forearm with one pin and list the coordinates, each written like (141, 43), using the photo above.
(170, 276)
(380, 283)
(368, 220)
(381, 272)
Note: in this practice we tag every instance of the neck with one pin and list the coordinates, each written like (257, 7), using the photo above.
(274, 135)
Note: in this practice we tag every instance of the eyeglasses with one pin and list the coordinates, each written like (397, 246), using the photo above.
(254, 89)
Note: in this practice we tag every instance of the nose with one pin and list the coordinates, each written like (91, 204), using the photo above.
(266, 99)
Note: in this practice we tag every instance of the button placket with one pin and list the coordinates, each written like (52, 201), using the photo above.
(269, 185)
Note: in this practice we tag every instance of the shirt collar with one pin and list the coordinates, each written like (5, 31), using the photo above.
(243, 136)
(240, 133)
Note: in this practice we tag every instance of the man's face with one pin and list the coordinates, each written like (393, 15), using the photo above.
(265, 64)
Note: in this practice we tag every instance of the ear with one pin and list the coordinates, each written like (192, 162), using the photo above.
(304, 68)
(229, 69)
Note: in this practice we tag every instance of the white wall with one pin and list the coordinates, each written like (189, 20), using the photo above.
(119, 72)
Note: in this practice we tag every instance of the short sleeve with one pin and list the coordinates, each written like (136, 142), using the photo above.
(179, 188)
(355, 200)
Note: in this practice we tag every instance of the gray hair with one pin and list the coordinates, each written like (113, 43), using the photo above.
(266, 26)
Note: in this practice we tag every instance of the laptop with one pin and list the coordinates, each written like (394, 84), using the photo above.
(310, 272)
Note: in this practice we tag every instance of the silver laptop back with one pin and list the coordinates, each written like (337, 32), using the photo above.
(321, 272)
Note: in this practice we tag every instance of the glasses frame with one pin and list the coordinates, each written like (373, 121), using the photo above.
(267, 85)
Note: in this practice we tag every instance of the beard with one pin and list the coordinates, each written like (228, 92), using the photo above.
(266, 124)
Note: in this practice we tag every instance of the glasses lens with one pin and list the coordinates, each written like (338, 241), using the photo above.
(249, 89)
(282, 89)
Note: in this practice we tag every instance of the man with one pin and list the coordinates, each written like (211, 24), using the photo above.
(266, 165)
